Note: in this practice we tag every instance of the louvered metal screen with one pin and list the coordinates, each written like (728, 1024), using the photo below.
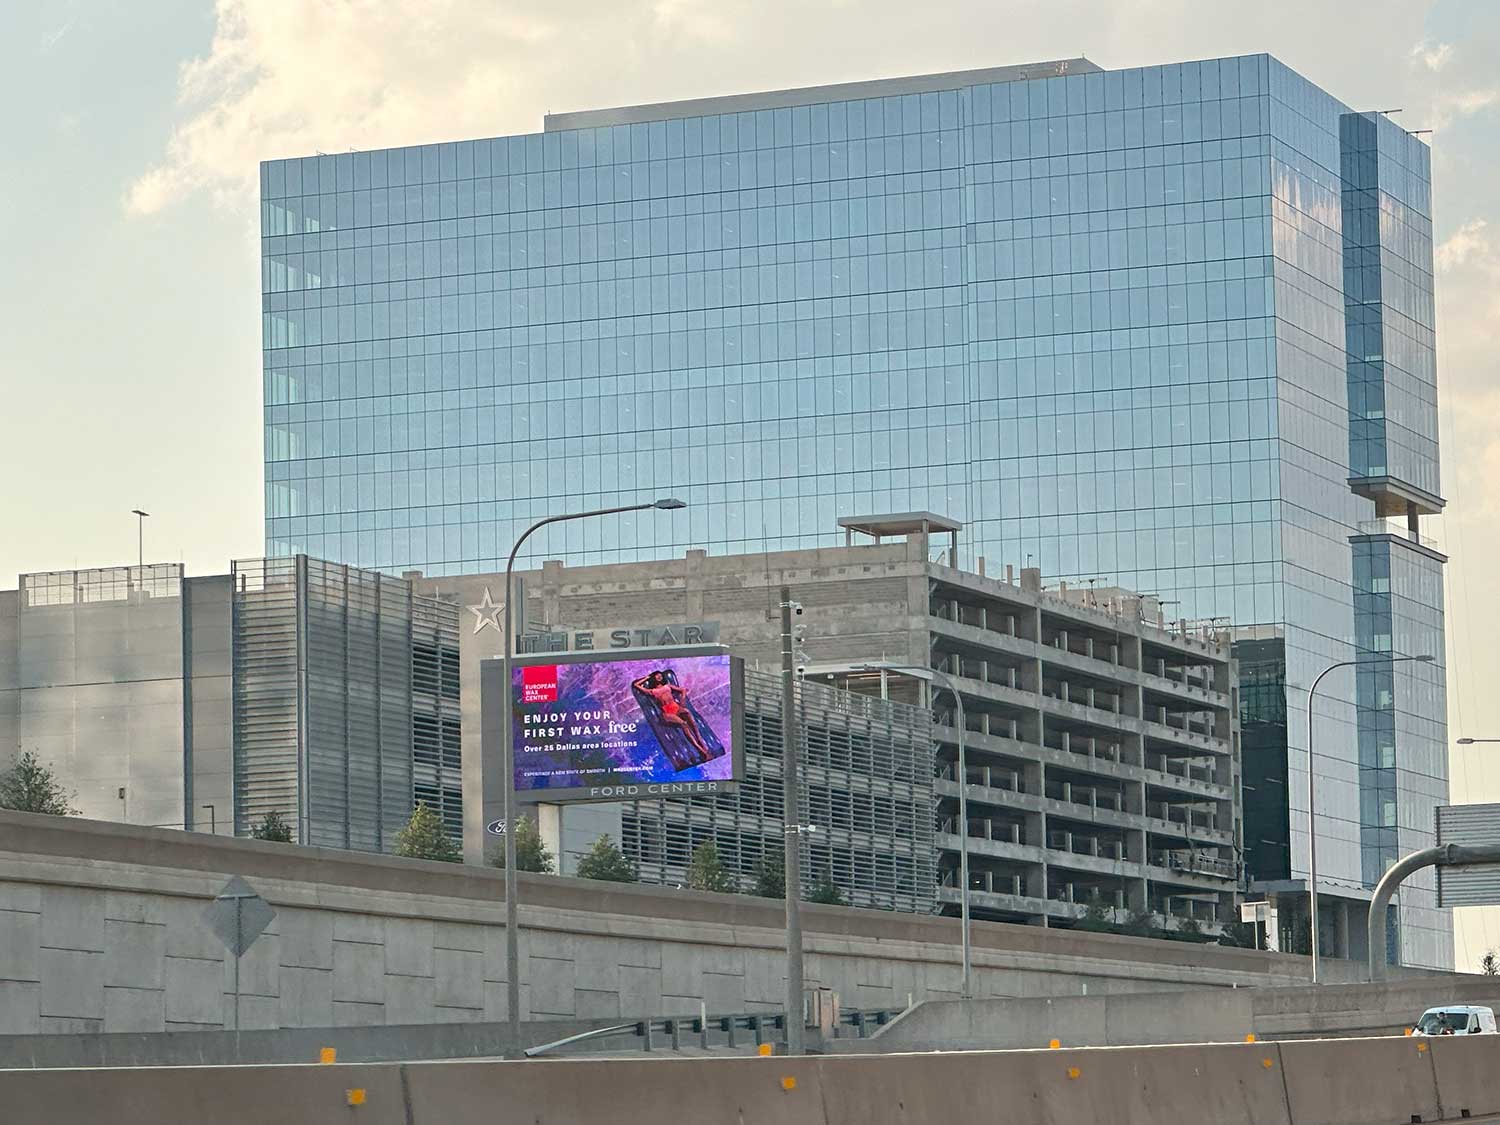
(867, 772)
(1470, 825)
(360, 675)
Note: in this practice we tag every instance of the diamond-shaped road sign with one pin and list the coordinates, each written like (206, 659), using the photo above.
(238, 916)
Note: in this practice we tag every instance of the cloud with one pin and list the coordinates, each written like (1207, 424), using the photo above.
(1434, 56)
(1448, 106)
(1470, 242)
(1445, 82)
(291, 79)
(52, 38)
(300, 76)
(702, 20)
(1468, 292)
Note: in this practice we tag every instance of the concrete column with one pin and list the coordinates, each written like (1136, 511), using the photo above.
(550, 593)
(1033, 778)
(549, 825)
(1341, 924)
(1032, 829)
(693, 578)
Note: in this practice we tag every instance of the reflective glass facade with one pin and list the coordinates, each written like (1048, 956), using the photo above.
(1170, 327)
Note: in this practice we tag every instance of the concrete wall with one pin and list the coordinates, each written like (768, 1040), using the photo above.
(1348, 1082)
(119, 688)
(208, 609)
(92, 662)
(101, 929)
(1218, 1016)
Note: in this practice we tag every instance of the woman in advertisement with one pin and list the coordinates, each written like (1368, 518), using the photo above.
(670, 700)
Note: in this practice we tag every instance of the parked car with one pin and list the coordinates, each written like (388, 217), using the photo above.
(1456, 1019)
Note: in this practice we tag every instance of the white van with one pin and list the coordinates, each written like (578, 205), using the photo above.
(1456, 1019)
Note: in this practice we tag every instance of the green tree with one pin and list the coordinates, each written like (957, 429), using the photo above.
(31, 786)
(532, 853)
(272, 827)
(1096, 916)
(1190, 928)
(425, 838)
(1241, 935)
(1302, 937)
(770, 876)
(707, 871)
(1489, 965)
(1142, 923)
(606, 862)
(826, 891)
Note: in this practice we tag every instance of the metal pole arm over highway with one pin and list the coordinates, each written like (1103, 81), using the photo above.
(1446, 855)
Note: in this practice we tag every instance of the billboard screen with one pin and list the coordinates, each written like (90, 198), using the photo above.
(600, 728)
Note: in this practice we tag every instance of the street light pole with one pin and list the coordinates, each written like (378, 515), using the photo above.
(508, 764)
(943, 680)
(791, 815)
(1312, 824)
(140, 536)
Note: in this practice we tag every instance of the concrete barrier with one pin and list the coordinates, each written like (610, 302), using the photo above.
(1124, 1020)
(391, 1043)
(1356, 1081)
(1226, 1085)
(286, 1095)
(773, 1091)
(1338, 1082)
(1363, 1010)
(1468, 1074)
(1138, 1019)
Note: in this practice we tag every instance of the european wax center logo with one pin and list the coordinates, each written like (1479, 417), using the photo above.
(539, 683)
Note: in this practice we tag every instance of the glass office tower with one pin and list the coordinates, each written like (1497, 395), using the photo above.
(1170, 327)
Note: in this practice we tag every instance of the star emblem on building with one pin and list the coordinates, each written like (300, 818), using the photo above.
(487, 612)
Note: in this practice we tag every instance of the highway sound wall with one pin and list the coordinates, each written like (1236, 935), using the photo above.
(102, 930)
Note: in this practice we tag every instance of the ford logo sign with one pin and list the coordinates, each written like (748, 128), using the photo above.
(495, 828)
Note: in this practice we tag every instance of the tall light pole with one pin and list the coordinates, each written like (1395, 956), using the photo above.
(508, 764)
(943, 680)
(140, 536)
(1312, 824)
(1473, 741)
(791, 816)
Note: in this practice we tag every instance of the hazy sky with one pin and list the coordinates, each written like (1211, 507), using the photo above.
(129, 304)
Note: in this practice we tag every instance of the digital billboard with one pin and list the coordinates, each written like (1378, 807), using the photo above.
(600, 728)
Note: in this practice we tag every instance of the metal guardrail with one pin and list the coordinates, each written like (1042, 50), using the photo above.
(731, 1030)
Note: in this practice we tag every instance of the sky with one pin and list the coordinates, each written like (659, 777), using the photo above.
(129, 270)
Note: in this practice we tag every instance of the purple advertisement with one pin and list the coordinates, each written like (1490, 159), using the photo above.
(616, 729)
